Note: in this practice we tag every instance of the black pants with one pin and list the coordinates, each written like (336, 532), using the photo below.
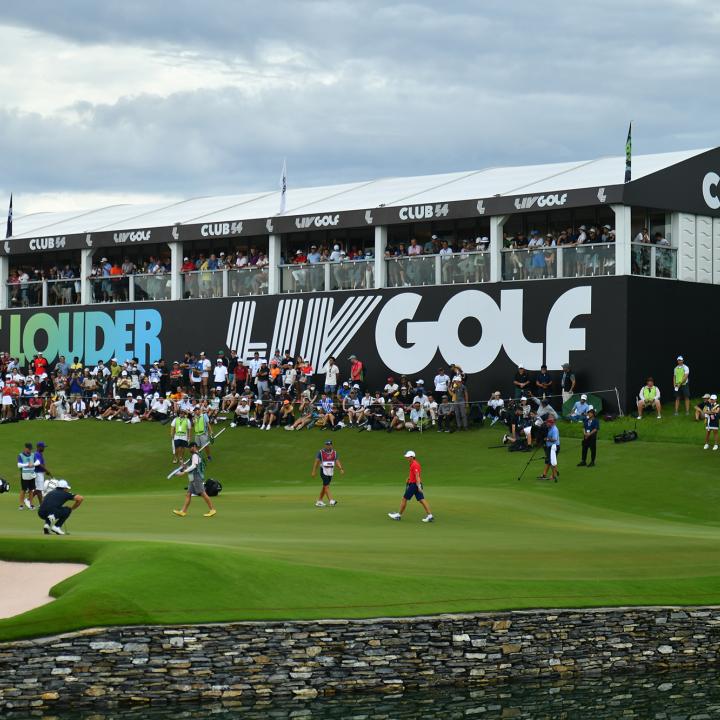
(61, 515)
(444, 422)
(589, 444)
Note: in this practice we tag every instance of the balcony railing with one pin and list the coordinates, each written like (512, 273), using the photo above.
(654, 260)
(537, 263)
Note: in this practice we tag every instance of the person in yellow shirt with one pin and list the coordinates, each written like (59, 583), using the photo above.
(681, 384)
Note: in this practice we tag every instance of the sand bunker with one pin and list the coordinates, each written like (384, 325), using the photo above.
(25, 586)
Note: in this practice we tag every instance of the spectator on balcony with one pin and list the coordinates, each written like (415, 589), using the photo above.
(314, 257)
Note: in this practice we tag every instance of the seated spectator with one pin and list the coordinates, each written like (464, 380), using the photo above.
(495, 407)
(579, 410)
(417, 419)
(649, 397)
(242, 413)
(702, 406)
(397, 421)
(78, 408)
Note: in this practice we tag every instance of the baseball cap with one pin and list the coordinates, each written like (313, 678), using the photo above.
(63, 484)
(41, 444)
(328, 442)
(520, 365)
(680, 357)
(713, 397)
(583, 397)
(353, 357)
(124, 372)
(129, 394)
(420, 382)
(523, 398)
(410, 453)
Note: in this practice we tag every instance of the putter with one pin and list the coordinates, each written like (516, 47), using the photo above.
(200, 449)
(527, 465)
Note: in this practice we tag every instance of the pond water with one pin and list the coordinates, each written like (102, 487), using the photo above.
(671, 696)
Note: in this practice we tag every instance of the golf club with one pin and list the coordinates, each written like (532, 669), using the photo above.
(200, 449)
(527, 464)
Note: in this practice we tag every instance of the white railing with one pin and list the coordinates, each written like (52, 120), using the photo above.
(654, 260)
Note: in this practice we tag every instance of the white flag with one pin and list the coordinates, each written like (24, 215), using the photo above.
(283, 187)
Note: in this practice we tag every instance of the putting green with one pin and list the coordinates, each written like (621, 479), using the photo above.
(640, 528)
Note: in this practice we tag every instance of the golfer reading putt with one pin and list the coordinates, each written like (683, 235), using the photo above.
(413, 488)
(326, 460)
(53, 511)
(195, 470)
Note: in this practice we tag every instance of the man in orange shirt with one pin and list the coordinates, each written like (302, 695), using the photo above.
(413, 488)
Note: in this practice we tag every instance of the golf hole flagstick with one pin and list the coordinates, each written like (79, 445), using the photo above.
(200, 449)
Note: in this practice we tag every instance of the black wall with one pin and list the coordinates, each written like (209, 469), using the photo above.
(487, 329)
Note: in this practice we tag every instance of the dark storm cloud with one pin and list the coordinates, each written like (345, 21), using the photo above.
(366, 89)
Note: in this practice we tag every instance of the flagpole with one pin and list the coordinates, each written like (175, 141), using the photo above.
(9, 229)
(628, 155)
(283, 187)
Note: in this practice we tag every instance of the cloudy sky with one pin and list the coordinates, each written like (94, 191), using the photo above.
(143, 100)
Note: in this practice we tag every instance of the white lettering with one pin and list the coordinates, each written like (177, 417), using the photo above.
(132, 236)
(302, 223)
(541, 200)
(710, 192)
(47, 243)
(502, 328)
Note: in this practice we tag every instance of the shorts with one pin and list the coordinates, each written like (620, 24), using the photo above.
(196, 487)
(27, 485)
(683, 391)
(412, 490)
(39, 481)
(711, 427)
(180, 443)
(550, 456)
(202, 439)
(326, 479)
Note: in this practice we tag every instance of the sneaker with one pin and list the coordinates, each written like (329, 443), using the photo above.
(639, 417)
(179, 513)
(428, 518)
(233, 424)
(333, 502)
(659, 417)
(541, 477)
(28, 504)
(46, 529)
(706, 446)
(493, 421)
(57, 530)
(267, 427)
(210, 513)
(394, 516)
(715, 447)
(22, 507)
(319, 503)
(582, 464)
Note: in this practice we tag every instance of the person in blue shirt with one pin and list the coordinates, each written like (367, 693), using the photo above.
(591, 425)
(552, 448)
(579, 411)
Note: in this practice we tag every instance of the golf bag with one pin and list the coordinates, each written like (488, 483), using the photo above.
(213, 487)
(4, 486)
(626, 436)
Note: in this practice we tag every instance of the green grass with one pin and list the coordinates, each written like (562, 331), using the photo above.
(640, 528)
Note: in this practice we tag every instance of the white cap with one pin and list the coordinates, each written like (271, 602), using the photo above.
(63, 484)
(713, 397)
(420, 382)
(410, 453)
(590, 407)
(680, 357)
(523, 398)
(583, 397)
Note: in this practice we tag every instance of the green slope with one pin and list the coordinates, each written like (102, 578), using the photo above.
(640, 528)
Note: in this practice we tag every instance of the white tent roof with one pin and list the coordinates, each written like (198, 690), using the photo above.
(446, 187)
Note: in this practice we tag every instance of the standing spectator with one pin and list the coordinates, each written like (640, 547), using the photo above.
(459, 395)
(591, 425)
(712, 417)
(442, 381)
(567, 382)
(357, 373)
(543, 383)
(681, 384)
(220, 374)
(332, 371)
(521, 381)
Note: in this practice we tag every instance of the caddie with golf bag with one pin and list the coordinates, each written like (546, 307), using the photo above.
(195, 470)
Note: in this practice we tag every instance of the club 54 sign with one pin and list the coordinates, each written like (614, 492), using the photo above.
(502, 328)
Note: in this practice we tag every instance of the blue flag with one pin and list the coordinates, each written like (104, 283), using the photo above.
(628, 155)
(8, 232)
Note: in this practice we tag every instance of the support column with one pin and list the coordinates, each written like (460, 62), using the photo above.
(623, 239)
(176, 259)
(4, 275)
(497, 223)
(86, 256)
(380, 265)
(274, 251)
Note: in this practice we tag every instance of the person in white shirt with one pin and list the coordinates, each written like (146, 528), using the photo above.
(495, 407)
(417, 418)
(254, 365)
(336, 254)
(352, 408)
(242, 413)
(290, 376)
(220, 373)
(391, 388)
(442, 381)
(398, 419)
(204, 366)
(78, 408)
(94, 406)
(431, 408)
(332, 371)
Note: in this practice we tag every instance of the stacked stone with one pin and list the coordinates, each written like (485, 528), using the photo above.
(234, 662)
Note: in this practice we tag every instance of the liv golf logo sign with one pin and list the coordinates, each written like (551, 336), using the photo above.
(317, 330)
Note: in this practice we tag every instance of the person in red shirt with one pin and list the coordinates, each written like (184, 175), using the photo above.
(357, 373)
(413, 488)
(39, 365)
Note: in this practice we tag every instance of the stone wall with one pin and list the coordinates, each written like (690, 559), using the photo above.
(241, 661)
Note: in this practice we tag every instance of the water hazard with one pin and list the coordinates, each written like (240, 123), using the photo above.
(676, 696)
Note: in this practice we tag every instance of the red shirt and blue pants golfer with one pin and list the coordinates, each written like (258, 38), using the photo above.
(413, 489)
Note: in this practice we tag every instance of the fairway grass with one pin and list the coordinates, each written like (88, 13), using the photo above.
(641, 528)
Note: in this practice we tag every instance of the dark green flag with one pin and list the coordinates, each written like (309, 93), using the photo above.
(628, 155)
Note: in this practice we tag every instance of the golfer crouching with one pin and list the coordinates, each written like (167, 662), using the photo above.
(52, 508)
